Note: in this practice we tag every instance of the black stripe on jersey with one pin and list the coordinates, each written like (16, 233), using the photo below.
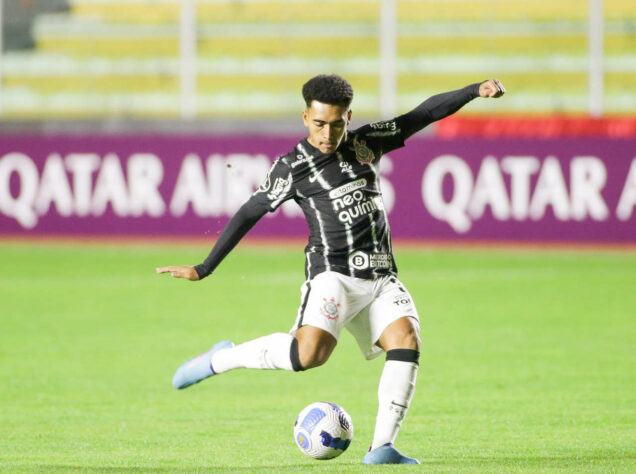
(303, 306)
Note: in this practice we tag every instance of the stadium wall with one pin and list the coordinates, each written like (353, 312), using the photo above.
(468, 189)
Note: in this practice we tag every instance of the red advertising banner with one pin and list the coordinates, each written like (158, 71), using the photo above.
(567, 190)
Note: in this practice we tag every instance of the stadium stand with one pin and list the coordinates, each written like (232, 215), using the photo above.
(119, 59)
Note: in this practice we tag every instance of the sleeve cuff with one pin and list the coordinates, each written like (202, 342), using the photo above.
(201, 271)
(475, 89)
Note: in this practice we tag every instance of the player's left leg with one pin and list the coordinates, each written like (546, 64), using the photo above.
(401, 342)
(394, 326)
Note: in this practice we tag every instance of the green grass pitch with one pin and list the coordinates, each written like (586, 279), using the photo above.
(528, 362)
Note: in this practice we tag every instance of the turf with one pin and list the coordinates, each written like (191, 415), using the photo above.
(528, 362)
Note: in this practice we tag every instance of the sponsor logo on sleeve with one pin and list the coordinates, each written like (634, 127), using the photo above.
(278, 189)
(386, 128)
(384, 125)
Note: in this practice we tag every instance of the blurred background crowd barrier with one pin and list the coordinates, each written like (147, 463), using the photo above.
(246, 58)
(100, 78)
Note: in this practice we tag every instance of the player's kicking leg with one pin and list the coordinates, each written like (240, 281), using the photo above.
(395, 391)
(310, 348)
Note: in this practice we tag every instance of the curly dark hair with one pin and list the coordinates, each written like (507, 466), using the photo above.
(329, 89)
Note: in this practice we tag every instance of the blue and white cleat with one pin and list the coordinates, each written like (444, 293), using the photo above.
(387, 454)
(199, 368)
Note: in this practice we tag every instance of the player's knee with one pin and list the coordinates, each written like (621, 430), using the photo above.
(402, 334)
(410, 338)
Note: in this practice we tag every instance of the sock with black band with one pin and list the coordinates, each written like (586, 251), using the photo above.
(395, 392)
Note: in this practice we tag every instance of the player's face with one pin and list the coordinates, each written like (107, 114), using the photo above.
(327, 125)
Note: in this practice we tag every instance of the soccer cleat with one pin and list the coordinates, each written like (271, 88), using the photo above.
(387, 454)
(199, 368)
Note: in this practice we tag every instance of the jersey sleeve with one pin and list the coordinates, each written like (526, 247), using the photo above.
(385, 136)
(277, 187)
(435, 108)
(239, 225)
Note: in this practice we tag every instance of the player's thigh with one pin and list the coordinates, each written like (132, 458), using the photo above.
(393, 318)
(328, 302)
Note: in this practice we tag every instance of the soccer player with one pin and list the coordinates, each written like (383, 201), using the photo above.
(351, 275)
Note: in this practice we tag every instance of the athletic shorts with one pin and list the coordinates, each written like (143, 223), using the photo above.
(332, 301)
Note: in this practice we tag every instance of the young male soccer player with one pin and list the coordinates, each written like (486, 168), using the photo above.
(351, 276)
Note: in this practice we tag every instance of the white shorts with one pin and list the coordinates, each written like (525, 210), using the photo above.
(332, 301)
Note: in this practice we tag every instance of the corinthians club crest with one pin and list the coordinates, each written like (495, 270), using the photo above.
(364, 154)
(329, 308)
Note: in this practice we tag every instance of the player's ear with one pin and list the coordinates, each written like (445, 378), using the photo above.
(348, 116)
(305, 118)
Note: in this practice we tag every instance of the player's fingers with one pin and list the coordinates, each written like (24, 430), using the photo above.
(165, 269)
(177, 272)
(500, 88)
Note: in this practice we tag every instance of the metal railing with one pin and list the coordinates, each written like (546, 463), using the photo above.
(195, 80)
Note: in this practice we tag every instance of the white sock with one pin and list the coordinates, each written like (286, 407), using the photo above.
(267, 352)
(396, 389)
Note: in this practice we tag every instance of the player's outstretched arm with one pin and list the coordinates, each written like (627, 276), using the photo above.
(180, 271)
(266, 198)
(442, 105)
(244, 219)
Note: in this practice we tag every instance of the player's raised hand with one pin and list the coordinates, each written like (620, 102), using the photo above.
(491, 88)
(180, 271)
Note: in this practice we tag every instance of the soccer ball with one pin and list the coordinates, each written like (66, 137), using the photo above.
(323, 430)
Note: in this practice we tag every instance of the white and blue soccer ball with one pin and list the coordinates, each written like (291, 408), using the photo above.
(323, 430)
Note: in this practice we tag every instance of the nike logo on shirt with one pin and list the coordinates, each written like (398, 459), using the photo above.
(313, 178)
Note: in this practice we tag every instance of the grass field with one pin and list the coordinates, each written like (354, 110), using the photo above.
(528, 362)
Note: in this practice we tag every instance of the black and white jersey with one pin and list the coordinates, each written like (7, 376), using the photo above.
(339, 194)
(341, 199)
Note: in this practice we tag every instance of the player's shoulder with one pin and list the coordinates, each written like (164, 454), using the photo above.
(285, 160)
